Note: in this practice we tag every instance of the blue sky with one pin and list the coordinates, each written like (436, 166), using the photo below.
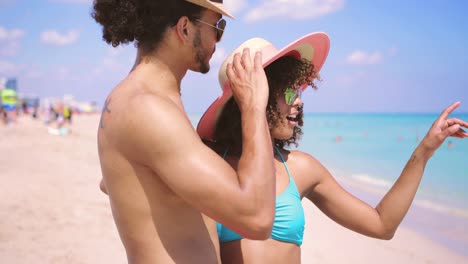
(385, 56)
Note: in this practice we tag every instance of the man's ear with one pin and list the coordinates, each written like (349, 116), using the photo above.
(183, 28)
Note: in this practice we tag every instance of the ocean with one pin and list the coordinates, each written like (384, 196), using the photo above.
(374, 148)
(367, 152)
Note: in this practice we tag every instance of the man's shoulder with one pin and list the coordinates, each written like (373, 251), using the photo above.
(155, 112)
(151, 122)
(140, 100)
(145, 111)
(131, 101)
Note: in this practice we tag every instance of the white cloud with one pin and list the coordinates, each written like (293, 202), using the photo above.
(34, 74)
(8, 68)
(215, 62)
(62, 73)
(55, 38)
(235, 6)
(117, 60)
(218, 56)
(352, 78)
(10, 41)
(115, 52)
(12, 34)
(65, 73)
(294, 9)
(364, 58)
(21, 71)
(111, 63)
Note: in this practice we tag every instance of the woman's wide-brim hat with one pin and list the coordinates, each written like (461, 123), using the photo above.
(214, 5)
(313, 47)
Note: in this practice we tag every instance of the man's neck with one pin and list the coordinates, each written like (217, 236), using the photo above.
(161, 68)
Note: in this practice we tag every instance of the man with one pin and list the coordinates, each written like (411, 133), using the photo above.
(166, 188)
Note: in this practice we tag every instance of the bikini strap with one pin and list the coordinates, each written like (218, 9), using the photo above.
(284, 162)
(292, 183)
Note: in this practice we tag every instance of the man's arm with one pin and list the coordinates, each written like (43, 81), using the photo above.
(161, 138)
(244, 200)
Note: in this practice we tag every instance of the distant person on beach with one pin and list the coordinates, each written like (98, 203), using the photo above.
(57, 123)
(165, 186)
(9, 99)
(299, 175)
(67, 113)
(35, 105)
(2, 114)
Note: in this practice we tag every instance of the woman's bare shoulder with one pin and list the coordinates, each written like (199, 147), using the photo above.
(306, 170)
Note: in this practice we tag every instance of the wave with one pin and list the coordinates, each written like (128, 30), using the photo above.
(441, 208)
(365, 178)
(381, 186)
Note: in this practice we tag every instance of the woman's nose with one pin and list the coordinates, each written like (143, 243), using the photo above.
(297, 102)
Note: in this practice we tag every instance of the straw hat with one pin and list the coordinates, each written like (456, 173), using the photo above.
(314, 47)
(215, 5)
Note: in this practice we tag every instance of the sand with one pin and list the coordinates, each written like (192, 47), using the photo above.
(52, 211)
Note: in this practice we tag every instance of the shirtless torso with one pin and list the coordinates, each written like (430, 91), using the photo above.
(155, 224)
(164, 185)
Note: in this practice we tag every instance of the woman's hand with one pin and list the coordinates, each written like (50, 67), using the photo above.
(442, 128)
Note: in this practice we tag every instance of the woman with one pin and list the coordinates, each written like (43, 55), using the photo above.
(298, 174)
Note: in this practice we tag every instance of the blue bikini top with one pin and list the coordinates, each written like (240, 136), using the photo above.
(289, 215)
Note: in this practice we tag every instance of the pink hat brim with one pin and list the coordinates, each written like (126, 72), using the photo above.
(318, 41)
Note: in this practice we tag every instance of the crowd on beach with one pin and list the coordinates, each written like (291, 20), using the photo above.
(56, 113)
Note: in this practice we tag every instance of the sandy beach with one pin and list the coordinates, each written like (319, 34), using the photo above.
(52, 211)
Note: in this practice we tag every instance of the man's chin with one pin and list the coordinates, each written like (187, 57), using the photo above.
(205, 69)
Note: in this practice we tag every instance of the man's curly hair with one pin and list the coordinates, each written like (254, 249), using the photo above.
(142, 21)
(287, 71)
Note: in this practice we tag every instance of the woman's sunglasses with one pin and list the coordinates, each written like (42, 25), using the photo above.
(290, 95)
(219, 26)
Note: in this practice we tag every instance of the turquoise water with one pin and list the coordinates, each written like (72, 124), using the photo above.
(374, 148)
(370, 151)
(371, 154)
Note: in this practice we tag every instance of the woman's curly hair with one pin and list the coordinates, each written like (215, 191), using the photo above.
(142, 21)
(287, 71)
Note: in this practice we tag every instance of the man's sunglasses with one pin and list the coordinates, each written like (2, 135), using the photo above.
(219, 26)
(290, 95)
